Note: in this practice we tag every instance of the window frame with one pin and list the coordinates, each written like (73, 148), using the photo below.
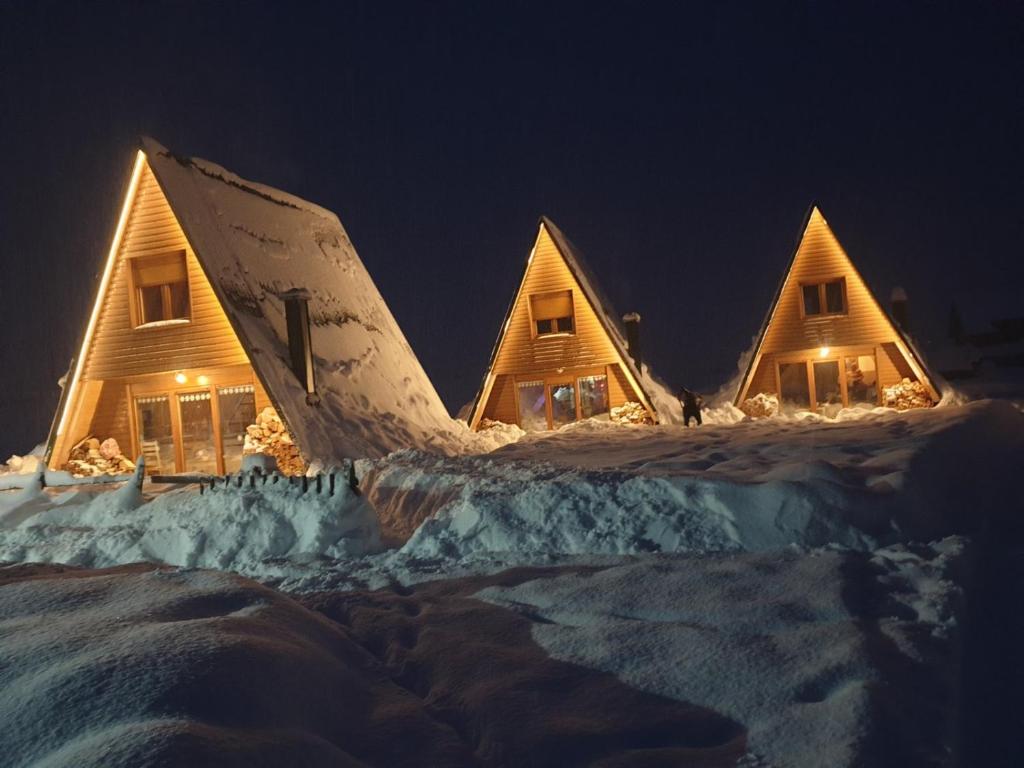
(135, 301)
(823, 299)
(535, 333)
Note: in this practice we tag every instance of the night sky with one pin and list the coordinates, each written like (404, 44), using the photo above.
(678, 148)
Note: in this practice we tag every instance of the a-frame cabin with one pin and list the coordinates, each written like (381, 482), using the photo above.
(220, 297)
(561, 353)
(826, 342)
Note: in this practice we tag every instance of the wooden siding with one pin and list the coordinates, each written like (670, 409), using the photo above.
(118, 349)
(620, 391)
(501, 405)
(763, 379)
(892, 366)
(522, 353)
(112, 417)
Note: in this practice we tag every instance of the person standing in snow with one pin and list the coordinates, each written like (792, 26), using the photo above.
(691, 403)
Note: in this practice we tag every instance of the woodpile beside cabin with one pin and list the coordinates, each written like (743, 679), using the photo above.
(826, 342)
(561, 354)
(230, 318)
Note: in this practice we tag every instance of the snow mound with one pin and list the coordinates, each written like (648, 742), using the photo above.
(229, 529)
(534, 508)
(124, 670)
(800, 647)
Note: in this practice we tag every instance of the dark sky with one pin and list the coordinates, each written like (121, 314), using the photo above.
(679, 147)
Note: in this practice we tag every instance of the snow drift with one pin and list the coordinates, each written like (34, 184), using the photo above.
(749, 486)
(231, 529)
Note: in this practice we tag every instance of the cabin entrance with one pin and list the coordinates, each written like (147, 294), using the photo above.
(192, 429)
(553, 402)
(828, 382)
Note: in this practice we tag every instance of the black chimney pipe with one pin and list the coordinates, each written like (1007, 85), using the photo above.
(300, 347)
(632, 321)
(900, 308)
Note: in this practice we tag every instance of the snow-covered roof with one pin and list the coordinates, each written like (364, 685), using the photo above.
(255, 243)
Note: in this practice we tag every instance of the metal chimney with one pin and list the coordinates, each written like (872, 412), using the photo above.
(300, 347)
(900, 311)
(632, 321)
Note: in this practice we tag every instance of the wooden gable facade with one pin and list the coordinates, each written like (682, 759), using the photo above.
(558, 357)
(160, 368)
(826, 342)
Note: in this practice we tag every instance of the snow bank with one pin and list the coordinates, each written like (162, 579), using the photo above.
(228, 529)
(751, 486)
(794, 645)
(589, 492)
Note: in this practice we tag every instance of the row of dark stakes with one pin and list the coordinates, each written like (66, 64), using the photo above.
(324, 482)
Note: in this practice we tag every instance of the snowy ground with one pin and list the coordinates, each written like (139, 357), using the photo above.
(761, 573)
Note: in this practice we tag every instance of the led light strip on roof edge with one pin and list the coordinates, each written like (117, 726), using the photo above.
(108, 269)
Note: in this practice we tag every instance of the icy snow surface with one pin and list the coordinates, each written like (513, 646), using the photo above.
(764, 572)
(792, 644)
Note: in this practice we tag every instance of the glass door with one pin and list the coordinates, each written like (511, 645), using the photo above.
(861, 380)
(563, 404)
(794, 391)
(198, 440)
(156, 433)
(828, 393)
(237, 406)
(533, 408)
(593, 396)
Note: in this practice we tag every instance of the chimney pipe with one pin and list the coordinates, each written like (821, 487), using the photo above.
(632, 321)
(300, 348)
(900, 310)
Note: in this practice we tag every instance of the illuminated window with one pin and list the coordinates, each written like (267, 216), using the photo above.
(552, 313)
(160, 288)
(824, 298)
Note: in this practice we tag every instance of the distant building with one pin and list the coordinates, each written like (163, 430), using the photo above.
(221, 298)
(562, 352)
(826, 342)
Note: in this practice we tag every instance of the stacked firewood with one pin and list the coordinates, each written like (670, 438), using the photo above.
(90, 457)
(907, 394)
(630, 413)
(760, 406)
(268, 435)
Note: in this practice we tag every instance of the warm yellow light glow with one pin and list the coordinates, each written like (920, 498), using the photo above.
(823, 352)
(122, 222)
(203, 380)
(181, 378)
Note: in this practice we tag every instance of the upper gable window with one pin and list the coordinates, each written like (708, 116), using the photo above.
(552, 313)
(160, 289)
(824, 298)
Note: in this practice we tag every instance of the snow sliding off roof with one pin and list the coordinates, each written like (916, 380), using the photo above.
(256, 244)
